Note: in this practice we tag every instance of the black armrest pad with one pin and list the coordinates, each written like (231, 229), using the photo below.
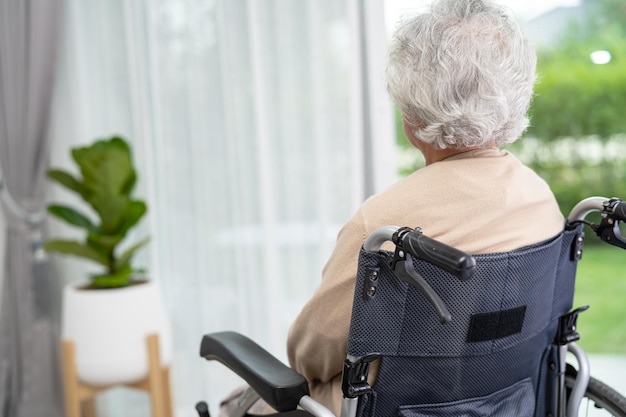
(279, 385)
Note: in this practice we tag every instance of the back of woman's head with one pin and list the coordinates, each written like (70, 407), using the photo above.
(462, 75)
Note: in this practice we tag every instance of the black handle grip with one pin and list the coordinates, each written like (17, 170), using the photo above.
(457, 262)
(619, 211)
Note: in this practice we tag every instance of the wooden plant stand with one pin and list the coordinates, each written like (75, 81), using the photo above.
(157, 383)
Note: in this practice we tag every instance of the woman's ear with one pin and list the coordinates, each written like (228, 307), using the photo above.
(411, 132)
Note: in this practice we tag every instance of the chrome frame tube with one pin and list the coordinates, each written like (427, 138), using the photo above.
(375, 240)
(349, 407)
(561, 399)
(586, 206)
(582, 379)
(318, 410)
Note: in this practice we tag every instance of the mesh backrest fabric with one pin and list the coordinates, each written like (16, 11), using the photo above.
(427, 362)
(516, 400)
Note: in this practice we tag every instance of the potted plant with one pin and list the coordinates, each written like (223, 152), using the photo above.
(108, 179)
(109, 315)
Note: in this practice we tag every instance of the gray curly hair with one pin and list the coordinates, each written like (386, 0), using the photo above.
(462, 75)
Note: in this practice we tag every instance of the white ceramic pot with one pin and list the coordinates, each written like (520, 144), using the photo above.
(109, 327)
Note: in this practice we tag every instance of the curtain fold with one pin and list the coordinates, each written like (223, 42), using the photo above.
(29, 372)
(246, 119)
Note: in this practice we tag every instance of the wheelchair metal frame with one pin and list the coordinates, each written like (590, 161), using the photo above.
(613, 211)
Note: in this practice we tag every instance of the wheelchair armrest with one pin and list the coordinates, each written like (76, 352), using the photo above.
(276, 383)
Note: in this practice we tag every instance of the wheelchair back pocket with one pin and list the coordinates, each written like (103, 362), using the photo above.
(517, 400)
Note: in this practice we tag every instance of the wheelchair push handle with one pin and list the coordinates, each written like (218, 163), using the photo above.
(457, 262)
(613, 211)
(619, 211)
(613, 207)
(411, 243)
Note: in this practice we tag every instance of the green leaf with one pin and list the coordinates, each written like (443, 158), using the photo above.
(118, 279)
(134, 212)
(106, 167)
(70, 247)
(124, 259)
(68, 181)
(111, 209)
(120, 143)
(72, 217)
(108, 177)
(105, 244)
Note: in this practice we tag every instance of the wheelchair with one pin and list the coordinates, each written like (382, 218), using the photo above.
(454, 334)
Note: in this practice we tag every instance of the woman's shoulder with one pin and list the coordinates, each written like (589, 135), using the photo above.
(453, 172)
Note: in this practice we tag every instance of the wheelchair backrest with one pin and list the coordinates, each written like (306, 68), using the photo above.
(497, 353)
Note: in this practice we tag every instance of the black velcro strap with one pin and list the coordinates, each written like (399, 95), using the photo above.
(496, 325)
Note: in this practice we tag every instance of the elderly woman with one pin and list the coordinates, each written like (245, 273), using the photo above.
(462, 76)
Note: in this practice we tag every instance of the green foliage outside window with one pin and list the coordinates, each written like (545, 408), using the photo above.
(579, 110)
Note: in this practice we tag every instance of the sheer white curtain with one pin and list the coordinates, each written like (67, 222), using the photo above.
(253, 125)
